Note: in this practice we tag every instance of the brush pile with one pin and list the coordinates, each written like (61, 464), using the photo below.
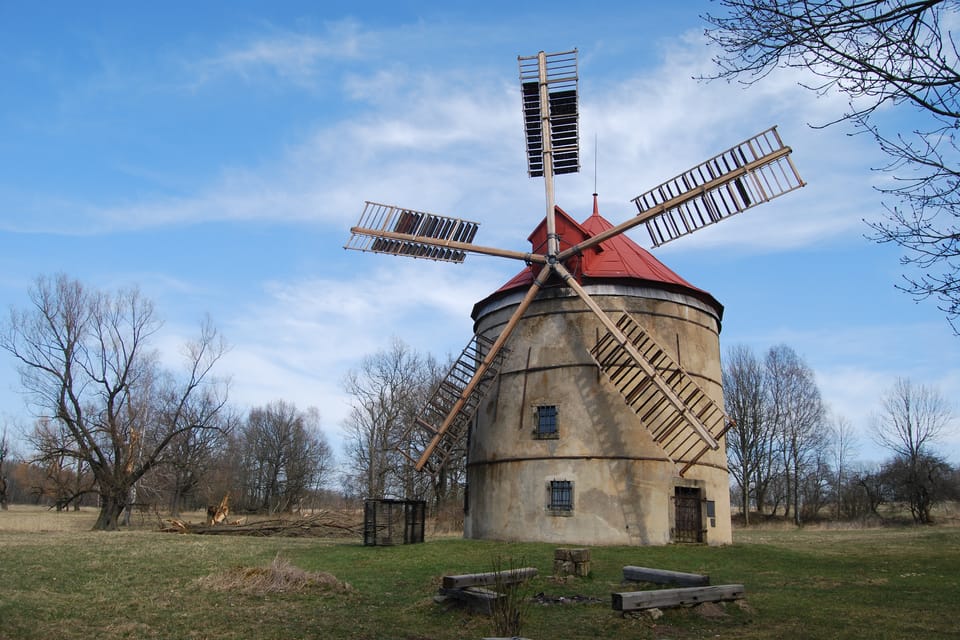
(322, 524)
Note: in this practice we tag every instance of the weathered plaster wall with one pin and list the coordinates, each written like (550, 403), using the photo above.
(623, 483)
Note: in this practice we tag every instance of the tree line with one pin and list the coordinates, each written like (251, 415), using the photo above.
(788, 456)
(116, 430)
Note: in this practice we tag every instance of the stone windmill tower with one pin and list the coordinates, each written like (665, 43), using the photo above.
(588, 402)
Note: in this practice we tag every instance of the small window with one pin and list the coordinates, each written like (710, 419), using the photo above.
(546, 422)
(561, 496)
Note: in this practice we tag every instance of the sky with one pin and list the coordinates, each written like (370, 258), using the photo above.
(216, 154)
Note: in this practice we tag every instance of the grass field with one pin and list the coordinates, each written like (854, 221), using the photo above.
(59, 580)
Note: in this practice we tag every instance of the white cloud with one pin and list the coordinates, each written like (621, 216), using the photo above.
(301, 337)
(451, 142)
(855, 366)
(292, 57)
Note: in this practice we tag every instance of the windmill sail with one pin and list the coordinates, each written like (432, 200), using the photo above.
(400, 231)
(670, 403)
(385, 228)
(750, 173)
(453, 402)
(643, 392)
(559, 111)
(447, 416)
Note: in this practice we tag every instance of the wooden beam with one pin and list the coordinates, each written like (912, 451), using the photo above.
(478, 599)
(642, 362)
(674, 202)
(447, 244)
(666, 598)
(509, 576)
(663, 576)
(483, 367)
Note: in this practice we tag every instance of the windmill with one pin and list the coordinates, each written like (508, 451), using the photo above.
(682, 421)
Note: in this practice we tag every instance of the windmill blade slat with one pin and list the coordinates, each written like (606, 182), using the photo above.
(398, 231)
(482, 358)
(755, 171)
(424, 235)
(452, 389)
(669, 424)
(562, 111)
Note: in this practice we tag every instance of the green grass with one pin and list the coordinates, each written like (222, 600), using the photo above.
(877, 583)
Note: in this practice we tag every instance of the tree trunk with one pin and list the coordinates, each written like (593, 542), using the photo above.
(760, 492)
(796, 494)
(111, 507)
(175, 500)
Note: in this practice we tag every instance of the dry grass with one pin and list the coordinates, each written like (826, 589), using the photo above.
(280, 576)
(888, 584)
(35, 519)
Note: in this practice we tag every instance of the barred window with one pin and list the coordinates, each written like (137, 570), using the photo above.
(561, 496)
(547, 421)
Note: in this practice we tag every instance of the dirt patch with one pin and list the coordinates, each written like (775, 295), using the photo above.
(547, 599)
(711, 610)
(278, 577)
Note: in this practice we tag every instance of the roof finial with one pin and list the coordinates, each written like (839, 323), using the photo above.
(596, 152)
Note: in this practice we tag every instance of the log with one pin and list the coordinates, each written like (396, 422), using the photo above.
(663, 576)
(666, 598)
(479, 599)
(510, 576)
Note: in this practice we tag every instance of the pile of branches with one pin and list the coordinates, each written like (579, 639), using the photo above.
(324, 524)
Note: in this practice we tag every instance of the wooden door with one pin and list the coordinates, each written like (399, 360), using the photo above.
(689, 516)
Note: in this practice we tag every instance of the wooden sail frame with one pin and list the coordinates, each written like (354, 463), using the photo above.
(749, 173)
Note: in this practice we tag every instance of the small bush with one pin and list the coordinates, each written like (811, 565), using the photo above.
(510, 611)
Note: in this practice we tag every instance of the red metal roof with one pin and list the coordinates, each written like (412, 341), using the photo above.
(617, 259)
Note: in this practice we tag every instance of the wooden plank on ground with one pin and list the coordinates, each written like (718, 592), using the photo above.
(510, 576)
(479, 599)
(666, 598)
(663, 576)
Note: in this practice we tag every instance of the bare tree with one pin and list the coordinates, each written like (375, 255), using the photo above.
(872, 490)
(879, 54)
(4, 453)
(85, 363)
(815, 485)
(286, 456)
(191, 458)
(911, 420)
(64, 480)
(797, 414)
(920, 483)
(843, 443)
(745, 399)
(386, 391)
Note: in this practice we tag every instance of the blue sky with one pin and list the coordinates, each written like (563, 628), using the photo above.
(216, 157)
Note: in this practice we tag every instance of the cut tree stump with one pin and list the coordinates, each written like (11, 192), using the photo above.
(663, 576)
(571, 562)
(666, 598)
